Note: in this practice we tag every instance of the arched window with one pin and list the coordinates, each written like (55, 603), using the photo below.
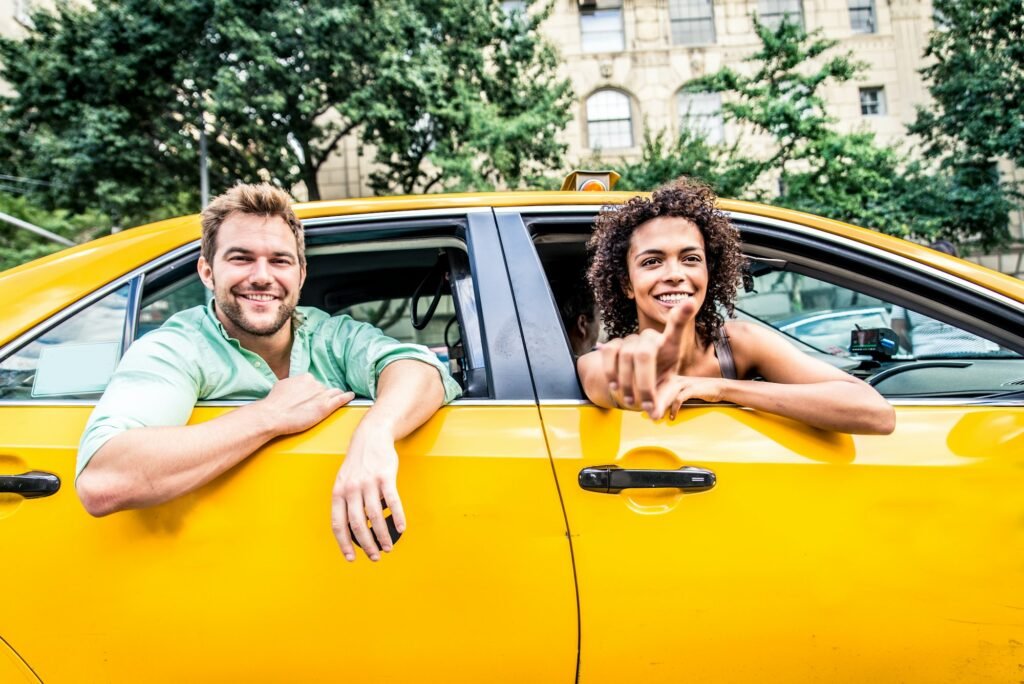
(609, 120)
(702, 114)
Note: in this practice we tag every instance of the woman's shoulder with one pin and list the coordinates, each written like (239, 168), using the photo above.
(745, 332)
(751, 344)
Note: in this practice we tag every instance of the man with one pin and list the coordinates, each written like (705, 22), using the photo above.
(578, 312)
(252, 342)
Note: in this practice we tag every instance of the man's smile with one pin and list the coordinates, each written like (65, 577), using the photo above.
(257, 296)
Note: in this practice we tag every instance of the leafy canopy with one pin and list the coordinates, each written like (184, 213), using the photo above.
(976, 80)
(110, 100)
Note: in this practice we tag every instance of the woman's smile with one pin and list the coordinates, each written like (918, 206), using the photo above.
(667, 270)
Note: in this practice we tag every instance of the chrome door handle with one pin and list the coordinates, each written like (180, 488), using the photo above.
(32, 485)
(613, 479)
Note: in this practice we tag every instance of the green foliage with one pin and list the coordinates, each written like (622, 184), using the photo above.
(18, 245)
(489, 113)
(976, 117)
(723, 168)
(96, 116)
(782, 98)
(976, 77)
(110, 98)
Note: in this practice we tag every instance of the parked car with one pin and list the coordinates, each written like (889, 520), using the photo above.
(830, 330)
(814, 557)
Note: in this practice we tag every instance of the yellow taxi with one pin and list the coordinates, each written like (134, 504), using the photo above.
(801, 556)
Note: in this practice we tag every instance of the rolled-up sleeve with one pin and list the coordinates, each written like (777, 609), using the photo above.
(363, 352)
(154, 385)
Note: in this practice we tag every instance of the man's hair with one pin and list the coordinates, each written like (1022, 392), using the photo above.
(609, 245)
(261, 199)
(574, 297)
(944, 246)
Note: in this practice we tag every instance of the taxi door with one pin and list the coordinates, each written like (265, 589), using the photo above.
(734, 546)
(242, 580)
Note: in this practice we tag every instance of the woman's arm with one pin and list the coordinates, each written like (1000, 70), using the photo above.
(796, 386)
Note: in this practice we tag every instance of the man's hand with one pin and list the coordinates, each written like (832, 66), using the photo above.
(636, 365)
(674, 391)
(408, 394)
(368, 476)
(298, 403)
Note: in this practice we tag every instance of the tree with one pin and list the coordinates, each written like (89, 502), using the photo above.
(95, 115)
(976, 117)
(782, 98)
(725, 169)
(489, 114)
(110, 100)
(813, 167)
(976, 77)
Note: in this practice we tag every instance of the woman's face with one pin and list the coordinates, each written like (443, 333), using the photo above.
(667, 269)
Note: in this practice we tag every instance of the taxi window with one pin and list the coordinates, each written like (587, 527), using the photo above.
(390, 284)
(926, 358)
(820, 316)
(394, 317)
(159, 305)
(72, 360)
(825, 315)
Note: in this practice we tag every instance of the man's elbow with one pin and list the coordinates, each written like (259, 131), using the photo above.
(98, 494)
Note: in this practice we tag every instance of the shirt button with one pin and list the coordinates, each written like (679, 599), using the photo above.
(259, 365)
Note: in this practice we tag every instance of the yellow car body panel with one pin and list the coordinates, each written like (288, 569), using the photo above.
(816, 556)
(13, 669)
(242, 580)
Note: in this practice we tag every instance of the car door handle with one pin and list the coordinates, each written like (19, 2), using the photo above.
(613, 479)
(31, 485)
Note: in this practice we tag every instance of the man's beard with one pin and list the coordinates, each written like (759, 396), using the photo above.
(230, 308)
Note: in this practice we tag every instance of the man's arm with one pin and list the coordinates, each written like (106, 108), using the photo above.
(150, 465)
(409, 392)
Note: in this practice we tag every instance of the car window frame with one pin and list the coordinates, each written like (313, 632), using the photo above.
(492, 311)
(891, 277)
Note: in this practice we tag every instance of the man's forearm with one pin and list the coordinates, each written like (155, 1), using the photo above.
(409, 392)
(151, 465)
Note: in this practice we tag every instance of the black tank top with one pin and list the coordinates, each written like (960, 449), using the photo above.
(723, 350)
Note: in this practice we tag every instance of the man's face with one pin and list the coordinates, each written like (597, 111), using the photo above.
(255, 275)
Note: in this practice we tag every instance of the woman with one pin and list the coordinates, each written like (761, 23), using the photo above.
(662, 268)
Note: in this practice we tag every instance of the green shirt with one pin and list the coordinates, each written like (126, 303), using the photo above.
(191, 358)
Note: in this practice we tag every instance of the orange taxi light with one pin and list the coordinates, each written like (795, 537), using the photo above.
(590, 181)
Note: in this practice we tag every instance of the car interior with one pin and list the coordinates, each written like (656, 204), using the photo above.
(848, 325)
(405, 288)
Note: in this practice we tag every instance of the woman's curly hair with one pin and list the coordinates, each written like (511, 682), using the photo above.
(608, 274)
